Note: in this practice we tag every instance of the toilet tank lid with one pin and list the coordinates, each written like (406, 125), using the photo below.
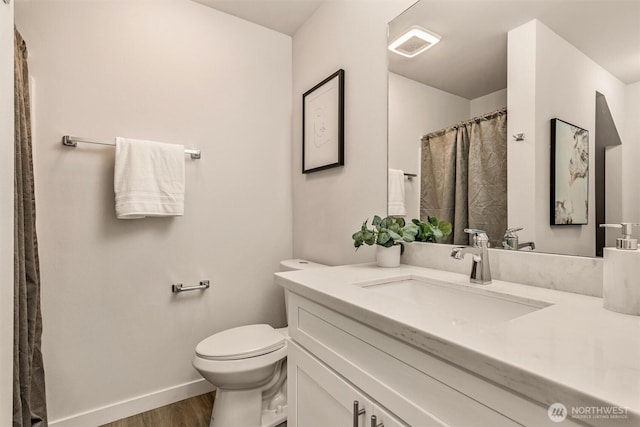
(241, 343)
(298, 264)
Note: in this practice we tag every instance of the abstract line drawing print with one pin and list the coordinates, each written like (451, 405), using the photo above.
(321, 104)
(323, 124)
(320, 134)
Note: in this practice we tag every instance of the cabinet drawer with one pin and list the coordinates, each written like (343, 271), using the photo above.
(410, 382)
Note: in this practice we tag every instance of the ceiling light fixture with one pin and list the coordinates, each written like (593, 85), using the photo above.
(414, 41)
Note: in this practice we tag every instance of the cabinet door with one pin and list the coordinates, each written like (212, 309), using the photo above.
(318, 397)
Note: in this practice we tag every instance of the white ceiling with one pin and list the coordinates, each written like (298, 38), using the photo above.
(284, 16)
(471, 59)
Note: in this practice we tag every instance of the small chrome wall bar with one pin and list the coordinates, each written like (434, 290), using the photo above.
(179, 287)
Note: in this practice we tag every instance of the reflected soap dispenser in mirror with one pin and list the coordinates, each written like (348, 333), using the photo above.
(621, 273)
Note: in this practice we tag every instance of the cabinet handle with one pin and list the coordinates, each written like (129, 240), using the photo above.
(374, 422)
(357, 412)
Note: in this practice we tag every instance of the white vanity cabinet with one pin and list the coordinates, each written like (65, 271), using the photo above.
(335, 360)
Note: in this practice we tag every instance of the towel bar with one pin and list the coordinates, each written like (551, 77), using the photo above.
(72, 141)
(179, 287)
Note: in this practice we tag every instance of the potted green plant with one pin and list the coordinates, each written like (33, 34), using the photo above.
(432, 230)
(387, 234)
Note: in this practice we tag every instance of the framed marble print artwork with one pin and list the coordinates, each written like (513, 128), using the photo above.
(569, 174)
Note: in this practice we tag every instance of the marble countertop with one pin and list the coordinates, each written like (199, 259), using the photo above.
(572, 351)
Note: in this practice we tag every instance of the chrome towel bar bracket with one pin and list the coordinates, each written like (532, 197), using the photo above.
(179, 287)
(410, 176)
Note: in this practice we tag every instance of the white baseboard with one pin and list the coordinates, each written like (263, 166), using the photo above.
(126, 408)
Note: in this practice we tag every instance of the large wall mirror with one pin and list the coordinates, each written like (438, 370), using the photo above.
(471, 117)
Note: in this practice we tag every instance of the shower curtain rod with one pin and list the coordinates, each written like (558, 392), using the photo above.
(72, 141)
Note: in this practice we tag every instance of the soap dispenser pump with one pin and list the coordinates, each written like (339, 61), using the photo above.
(625, 242)
(621, 272)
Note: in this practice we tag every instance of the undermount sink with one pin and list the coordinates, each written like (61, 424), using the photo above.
(457, 303)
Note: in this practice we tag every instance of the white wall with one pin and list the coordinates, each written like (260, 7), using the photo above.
(6, 213)
(631, 160)
(566, 85)
(173, 71)
(488, 103)
(521, 102)
(330, 205)
(416, 109)
(564, 82)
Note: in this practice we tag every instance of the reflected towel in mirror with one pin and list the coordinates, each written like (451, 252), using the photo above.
(395, 204)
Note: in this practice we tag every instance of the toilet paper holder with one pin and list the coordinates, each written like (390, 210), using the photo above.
(179, 287)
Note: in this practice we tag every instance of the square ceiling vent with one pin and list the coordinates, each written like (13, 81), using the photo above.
(414, 41)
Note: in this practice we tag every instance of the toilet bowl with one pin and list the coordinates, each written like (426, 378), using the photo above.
(248, 366)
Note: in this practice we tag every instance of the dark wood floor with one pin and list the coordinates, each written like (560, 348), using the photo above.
(194, 412)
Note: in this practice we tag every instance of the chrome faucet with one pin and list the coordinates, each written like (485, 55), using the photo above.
(480, 269)
(510, 240)
(531, 245)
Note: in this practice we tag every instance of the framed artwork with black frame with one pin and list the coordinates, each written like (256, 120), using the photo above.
(569, 174)
(323, 124)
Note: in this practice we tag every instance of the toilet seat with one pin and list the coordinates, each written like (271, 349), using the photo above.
(239, 343)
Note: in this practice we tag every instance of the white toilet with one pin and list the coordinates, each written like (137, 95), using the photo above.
(248, 366)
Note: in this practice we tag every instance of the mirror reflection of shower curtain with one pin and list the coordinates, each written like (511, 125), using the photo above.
(464, 177)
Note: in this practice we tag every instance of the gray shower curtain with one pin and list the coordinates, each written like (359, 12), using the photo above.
(464, 177)
(29, 400)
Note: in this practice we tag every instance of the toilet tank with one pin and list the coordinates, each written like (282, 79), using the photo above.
(296, 264)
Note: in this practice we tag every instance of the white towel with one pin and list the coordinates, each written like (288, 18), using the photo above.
(148, 179)
(395, 203)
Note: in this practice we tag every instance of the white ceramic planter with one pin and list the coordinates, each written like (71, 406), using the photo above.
(388, 257)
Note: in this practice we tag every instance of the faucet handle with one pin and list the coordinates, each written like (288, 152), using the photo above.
(513, 230)
(474, 231)
(479, 236)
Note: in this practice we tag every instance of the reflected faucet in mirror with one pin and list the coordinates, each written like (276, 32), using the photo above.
(510, 241)
(480, 268)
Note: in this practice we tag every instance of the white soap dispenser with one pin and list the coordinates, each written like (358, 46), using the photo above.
(621, 273)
